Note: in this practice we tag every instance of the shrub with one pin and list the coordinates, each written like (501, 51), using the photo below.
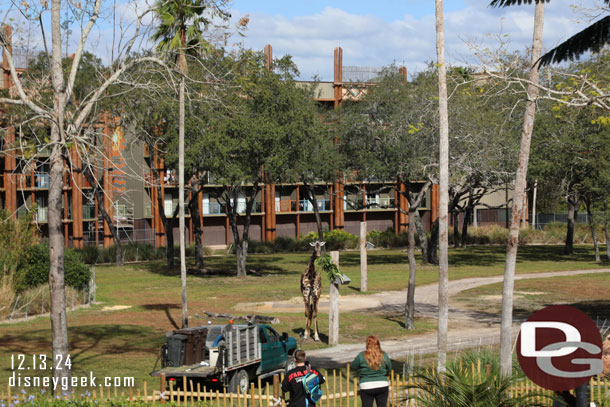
(460, 387)
(285, 244)
(90, 254)
(340, 239)
(76, 272)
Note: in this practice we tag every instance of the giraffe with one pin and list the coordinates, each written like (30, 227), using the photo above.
(311, 288)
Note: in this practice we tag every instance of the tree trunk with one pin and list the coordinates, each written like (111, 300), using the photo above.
(433, 244)
(241, 242)
(467, 217)
(194, 205)
(311, 196)
(181, 222)
(456, 229)
(423, 237)
(410, 305)
(606, 232)
(573, 206)
(59, 323)
(168, 225)
(506, 330)
(443, 264)
(99, 197)
(592, 226)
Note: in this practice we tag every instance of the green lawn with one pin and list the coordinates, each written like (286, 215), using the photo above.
(588, 292)
(125, 342)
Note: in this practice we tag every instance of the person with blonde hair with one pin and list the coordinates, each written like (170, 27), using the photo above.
(374, 367)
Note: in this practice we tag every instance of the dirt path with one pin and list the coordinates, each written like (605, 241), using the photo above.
(468, 328)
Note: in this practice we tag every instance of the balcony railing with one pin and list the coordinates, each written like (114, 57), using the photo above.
(88, 212)
(212, 208)
(380, 203)
(215, 208)
(288, 205)
(42, 180)
(42, 214)
(306, 206)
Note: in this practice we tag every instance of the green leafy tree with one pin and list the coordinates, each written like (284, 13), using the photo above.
(390, 135)
(256, 139)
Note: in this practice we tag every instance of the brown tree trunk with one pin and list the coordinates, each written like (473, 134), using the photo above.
(410, 305)
(506, 330)
(311, 196)
(456, 229)
(433, 244)
(194, 209)
(168, 224)
(423, 237)
(606, 232)
(573, 207)
(593, 232)
(241, 242)
(467, 217)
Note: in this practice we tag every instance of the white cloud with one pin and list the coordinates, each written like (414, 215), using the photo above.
(370, 41)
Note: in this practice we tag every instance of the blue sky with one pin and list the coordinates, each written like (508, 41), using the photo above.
(387, 10)
(395, 31)
(371, 33)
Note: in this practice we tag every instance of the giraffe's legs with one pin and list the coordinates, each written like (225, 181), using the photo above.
(314, 317)
(307, 323)
(316, 336)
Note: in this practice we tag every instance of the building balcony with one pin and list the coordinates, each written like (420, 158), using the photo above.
(306, 206)
(88, 212)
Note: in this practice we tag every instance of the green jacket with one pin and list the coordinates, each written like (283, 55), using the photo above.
(369, 375)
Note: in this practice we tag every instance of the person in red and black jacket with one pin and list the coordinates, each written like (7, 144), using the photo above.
(293, 378)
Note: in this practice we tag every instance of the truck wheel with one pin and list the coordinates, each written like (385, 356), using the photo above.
(239, 381)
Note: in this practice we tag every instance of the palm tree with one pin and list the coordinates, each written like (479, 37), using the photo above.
(592, 38)
(506, 329)
(181, 29)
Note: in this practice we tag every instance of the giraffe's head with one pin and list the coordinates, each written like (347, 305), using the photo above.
(317, 246)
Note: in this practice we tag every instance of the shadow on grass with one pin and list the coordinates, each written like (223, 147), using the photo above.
(599, 311)
(165, 308)
(88, 342)
(221, 266)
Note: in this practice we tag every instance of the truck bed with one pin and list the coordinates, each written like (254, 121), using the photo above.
(195, 370)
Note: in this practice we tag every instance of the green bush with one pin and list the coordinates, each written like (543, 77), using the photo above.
(76, 272)
(339, 240)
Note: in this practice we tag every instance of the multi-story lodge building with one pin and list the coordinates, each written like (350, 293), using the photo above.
(133, 205)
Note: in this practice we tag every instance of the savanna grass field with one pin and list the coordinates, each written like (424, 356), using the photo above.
(120, 335)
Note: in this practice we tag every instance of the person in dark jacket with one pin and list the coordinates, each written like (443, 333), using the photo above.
(293, 378)
(374, 367)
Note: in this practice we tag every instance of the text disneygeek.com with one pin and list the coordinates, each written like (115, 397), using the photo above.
(64, 383)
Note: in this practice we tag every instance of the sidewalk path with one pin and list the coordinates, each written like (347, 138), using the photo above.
(479, 326)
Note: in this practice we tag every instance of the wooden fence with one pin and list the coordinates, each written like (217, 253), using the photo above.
(339, 391)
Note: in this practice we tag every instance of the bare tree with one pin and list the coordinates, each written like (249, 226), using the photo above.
(518, 196)
(68, 120)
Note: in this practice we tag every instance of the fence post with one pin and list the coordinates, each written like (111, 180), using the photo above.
(333, 307)
(363, 259)
(276, 387)
(162, 386)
